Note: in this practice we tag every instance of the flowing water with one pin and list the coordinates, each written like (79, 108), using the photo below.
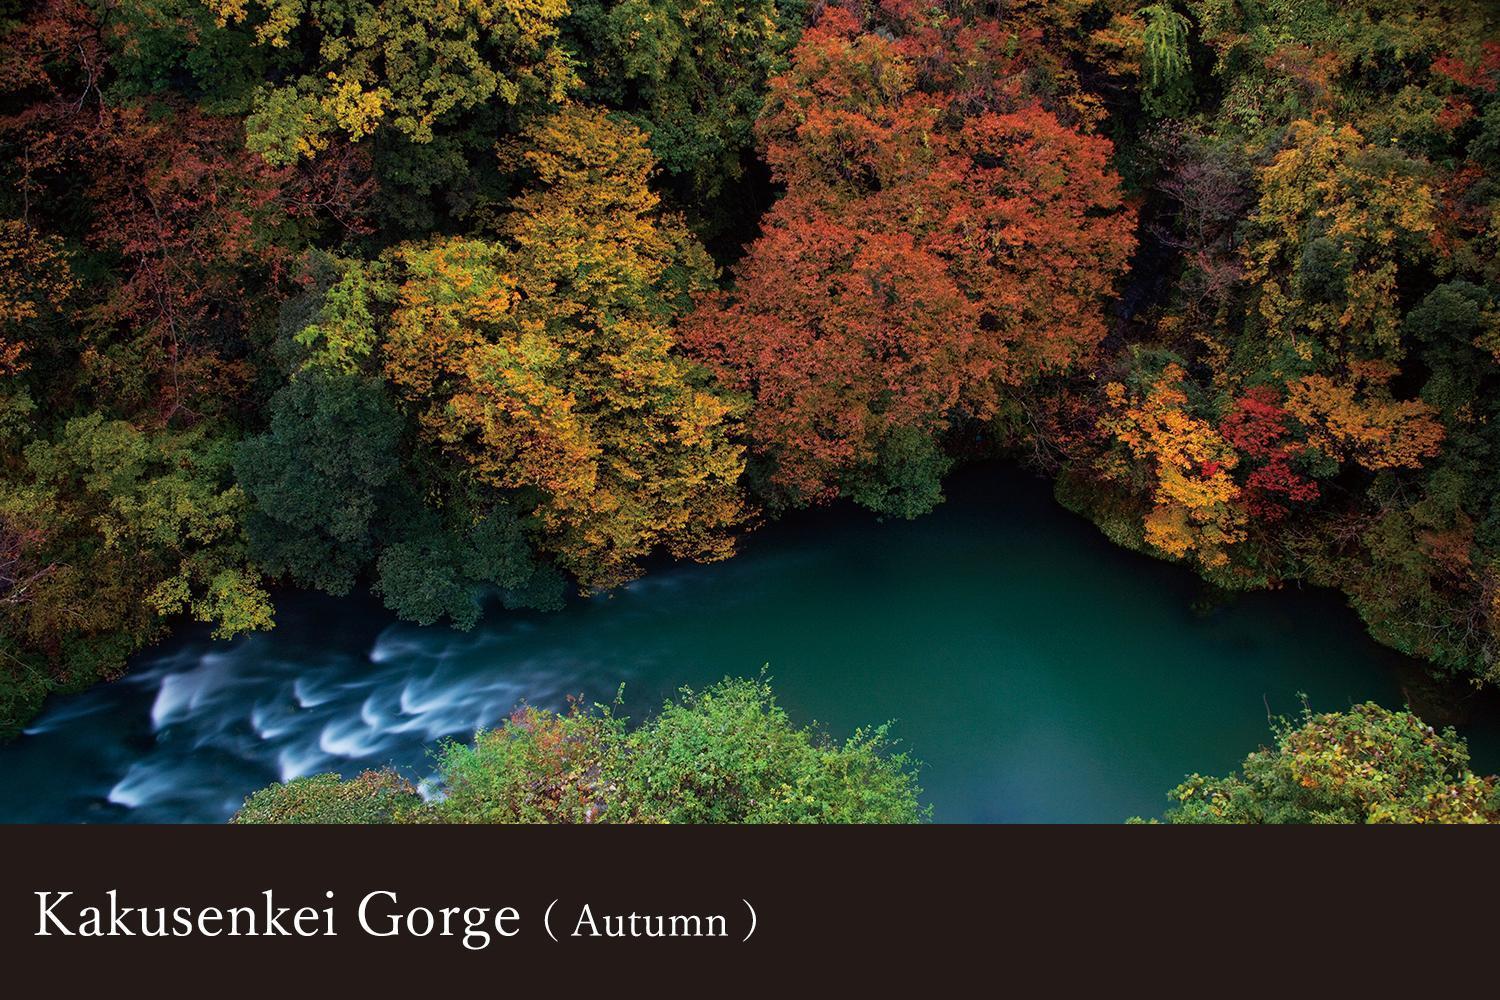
(1039, 672)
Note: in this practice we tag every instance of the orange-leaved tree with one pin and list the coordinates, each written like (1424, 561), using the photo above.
(943, 238)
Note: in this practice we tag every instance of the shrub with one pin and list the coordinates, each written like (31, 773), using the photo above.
(727, 754)
(1366, 765)
(373, 797)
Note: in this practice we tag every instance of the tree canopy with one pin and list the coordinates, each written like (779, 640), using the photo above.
(478, 303)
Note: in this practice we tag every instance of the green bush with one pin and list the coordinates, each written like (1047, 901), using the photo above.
(728, 754)
(1366, 765)
(373, 797)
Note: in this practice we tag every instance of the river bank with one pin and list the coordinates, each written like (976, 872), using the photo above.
(1040, 672)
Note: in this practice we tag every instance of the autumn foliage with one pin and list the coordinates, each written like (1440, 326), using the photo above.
(474, 302)
(942, 238)
(545, 360)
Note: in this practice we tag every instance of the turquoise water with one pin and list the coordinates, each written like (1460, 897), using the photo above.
(1041, 673)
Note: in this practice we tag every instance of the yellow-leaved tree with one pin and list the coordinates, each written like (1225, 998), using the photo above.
(1356, 419)
(1337, 218)
(546, 359)
(402, 63)
(1195, 497)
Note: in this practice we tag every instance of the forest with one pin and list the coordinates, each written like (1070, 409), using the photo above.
(449, 299)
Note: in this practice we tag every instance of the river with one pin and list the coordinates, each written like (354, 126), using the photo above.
(1038, 671)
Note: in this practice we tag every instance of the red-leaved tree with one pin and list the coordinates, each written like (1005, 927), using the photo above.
(198, 229)
(942, 237)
